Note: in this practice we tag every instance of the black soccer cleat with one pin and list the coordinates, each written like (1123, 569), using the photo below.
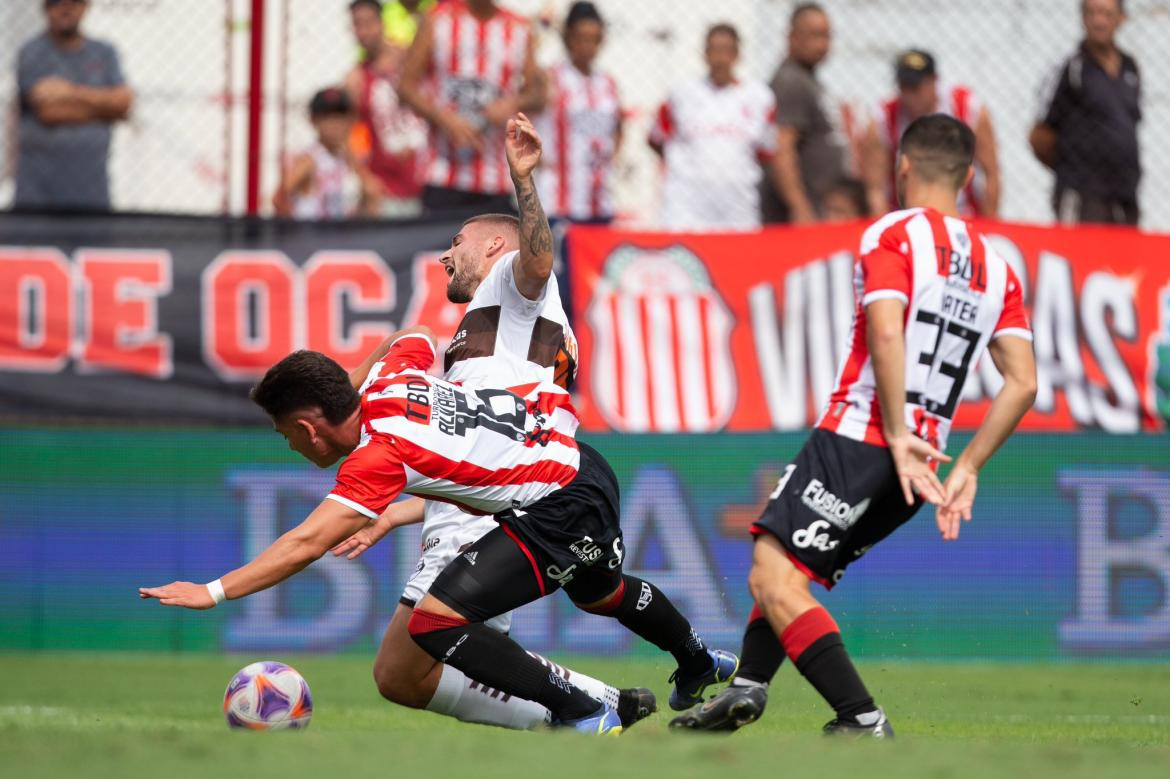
(854, 729)
(730, 710)
(635, 704)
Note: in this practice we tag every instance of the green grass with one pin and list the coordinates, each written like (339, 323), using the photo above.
(127, 716)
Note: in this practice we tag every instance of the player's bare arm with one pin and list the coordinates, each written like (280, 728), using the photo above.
(1014, 359)
(406, 512)
(534, 264)
(1043, 140)
(875, 169)
(887, 346)
(410, 91)
(328, 525)
(987, 158)
(786, 173)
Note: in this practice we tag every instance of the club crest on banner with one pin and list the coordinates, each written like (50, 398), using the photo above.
(662, 353)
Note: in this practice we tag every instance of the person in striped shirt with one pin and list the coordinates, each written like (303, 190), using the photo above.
(932, 296)
(582, 125)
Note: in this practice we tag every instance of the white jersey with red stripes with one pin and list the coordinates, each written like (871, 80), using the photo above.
(713, 139)
(484, 450)
(579, 129)
(959, 294)
(956, 101)
(474, 62)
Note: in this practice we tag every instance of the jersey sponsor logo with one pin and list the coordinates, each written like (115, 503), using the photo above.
(835, 511)
(587, 551)
(430, 543)
(476, 336)
(812, 536)
(662, 353)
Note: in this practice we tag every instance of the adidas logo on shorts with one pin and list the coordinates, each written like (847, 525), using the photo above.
(470, 557)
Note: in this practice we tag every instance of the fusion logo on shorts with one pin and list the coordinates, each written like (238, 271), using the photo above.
(834, 510)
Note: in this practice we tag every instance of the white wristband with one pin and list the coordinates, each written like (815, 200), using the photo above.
(215, 589)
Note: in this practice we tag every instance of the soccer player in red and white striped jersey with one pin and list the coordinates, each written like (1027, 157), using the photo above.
(582, 126)
(920, 93)
(932, 297)
(470, 68)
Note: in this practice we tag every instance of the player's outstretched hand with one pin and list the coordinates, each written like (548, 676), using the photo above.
(359, 542)
(185, 594)
(960, 497)
(522, 143)
(912, 458)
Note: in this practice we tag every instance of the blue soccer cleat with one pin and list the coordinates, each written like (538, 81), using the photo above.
(689, 691)
(603, 722)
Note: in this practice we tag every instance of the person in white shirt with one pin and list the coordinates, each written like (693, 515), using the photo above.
(713, 134)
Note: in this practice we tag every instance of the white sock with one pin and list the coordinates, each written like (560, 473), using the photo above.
(594, 688)
(469, 701)
(741, 682)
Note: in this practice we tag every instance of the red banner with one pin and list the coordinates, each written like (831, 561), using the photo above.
(744, 331)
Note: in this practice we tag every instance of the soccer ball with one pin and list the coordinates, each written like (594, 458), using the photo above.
(268, 696)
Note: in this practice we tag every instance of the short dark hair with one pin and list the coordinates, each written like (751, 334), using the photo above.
(306, 380)
(1120, 6)
(852, 188)
(375, 4)
(801, 9)
(939, 147)
(582, 11)
(723, 28)
(501, 220)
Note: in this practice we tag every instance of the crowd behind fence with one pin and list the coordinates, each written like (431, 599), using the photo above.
(184, 143)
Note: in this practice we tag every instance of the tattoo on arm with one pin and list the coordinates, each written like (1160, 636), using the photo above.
(535, 233)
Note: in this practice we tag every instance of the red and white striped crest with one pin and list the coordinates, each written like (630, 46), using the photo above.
(662, 343)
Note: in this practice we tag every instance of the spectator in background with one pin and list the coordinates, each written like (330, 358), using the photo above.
(920, 93)
(582, 126)
(713, 134)
(480, 62)
(845, 201)
(390, 138)
(811, 155)
(1088, 130)
(325, 181)
(71, 92)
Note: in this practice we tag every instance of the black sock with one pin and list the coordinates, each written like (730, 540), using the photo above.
(644, 610)
(815, 646)
(494, 660)
(762, 652)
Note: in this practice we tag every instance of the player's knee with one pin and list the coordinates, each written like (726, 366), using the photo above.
(771, 589)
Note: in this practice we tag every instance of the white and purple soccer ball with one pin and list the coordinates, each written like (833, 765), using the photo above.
(268, 696)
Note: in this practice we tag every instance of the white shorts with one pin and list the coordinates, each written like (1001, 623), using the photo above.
(447, 532)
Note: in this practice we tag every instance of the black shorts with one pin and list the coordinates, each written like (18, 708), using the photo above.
(574, 532)
(835, 501)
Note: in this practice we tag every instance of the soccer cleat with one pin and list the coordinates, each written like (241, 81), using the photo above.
(688, 692)
(603, 722)
(880, 729)
(635, 704)
(730, 710)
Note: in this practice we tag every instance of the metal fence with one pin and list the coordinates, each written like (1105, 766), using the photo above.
(186, 146)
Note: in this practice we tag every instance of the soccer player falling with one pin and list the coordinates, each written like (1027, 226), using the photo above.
(489, 452)
(932, 295)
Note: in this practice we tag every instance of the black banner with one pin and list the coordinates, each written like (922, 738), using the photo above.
(172, 319)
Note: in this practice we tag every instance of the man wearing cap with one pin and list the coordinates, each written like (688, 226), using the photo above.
(71, 93)
(921, 93)
(1087, 132)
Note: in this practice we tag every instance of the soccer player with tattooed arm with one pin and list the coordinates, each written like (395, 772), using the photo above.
(932, 296)
(465, 438)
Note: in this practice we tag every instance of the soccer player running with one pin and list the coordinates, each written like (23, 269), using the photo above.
(514, 332)
(932, 296)
(489, 451)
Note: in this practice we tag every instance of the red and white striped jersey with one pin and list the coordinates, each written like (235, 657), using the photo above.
(579, 129)
(957, 101)
(959, 294)
(483, 450)
(713, 139)
(473, 63)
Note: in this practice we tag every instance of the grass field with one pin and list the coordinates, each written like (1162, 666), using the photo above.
(128, 716)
